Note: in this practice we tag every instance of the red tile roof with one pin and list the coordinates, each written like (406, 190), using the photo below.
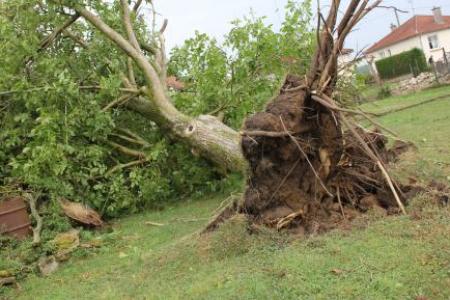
(425, 24)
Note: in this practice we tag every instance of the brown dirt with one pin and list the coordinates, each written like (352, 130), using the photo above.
(284, 190)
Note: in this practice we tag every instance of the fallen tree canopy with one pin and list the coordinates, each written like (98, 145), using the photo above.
(89, 111)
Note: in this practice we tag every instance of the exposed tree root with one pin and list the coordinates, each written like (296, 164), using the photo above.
(310, 181)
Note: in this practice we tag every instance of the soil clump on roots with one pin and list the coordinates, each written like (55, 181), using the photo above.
(305, 174)
(315, 176)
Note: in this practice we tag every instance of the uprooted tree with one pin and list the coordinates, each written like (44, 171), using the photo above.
(302, 166)
(301, 162)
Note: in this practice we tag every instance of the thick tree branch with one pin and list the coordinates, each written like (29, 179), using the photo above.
(128, 25)
(163, 105)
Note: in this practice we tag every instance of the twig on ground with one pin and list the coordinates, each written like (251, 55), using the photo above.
(154, 223)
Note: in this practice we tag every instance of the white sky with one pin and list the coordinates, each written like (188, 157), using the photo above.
(214, 16)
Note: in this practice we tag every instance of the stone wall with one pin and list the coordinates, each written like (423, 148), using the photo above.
(424, 80)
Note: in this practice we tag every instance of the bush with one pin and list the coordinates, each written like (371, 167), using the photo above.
(412, 61)
(384, 92)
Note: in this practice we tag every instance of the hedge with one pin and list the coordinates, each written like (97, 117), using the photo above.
(408, 62)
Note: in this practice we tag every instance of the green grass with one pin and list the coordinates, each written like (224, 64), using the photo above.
(427, 126)
(371, 92)
(400, 101)
(383, 258)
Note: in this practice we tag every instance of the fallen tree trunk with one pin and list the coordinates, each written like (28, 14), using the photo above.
(206, 135)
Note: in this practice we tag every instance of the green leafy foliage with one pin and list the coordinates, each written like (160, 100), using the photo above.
(408, 62)
(236, 78)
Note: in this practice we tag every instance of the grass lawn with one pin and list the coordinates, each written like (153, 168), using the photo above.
(399, 257)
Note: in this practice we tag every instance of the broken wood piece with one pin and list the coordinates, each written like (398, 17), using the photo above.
(9, 281)
(154, 223)
(288, 219)
(81, 213)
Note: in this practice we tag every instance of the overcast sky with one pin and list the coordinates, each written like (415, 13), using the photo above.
(214, 16)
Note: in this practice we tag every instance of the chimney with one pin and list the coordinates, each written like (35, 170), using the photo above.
(437, 12)
(393, 26)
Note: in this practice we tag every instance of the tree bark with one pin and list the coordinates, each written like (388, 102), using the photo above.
(206, 135)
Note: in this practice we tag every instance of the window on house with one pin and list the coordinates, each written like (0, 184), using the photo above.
(389, 52)
(433, 41)
(382, 54)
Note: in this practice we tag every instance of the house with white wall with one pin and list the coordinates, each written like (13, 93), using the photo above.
(429, 33)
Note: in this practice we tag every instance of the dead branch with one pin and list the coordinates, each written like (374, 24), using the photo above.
(154, 223)
(284, 222)
(282, 182)
(273, 133)
(264, 133)
(8, 281)
(330, 104)
(405, 107)
(340, 202)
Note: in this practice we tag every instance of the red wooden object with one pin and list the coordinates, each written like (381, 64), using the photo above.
(14, 219)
